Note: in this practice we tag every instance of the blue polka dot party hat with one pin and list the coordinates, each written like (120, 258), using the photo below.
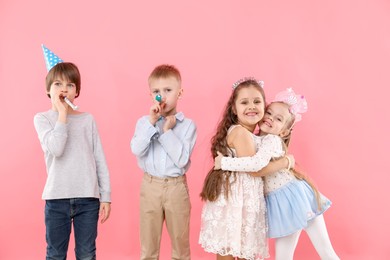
(50, 58)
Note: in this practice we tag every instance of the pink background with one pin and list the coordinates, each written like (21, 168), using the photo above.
(334, 52)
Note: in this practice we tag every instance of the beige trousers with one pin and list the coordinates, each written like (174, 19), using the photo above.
(164, 199)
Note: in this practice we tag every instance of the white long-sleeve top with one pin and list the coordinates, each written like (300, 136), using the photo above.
(268, 146)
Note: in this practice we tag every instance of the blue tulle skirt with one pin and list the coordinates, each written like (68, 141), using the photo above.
(291, 207)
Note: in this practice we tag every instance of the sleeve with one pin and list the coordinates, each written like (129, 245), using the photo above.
(179, 149)
(101, 166)
(144, 132)
(52, 138)
(269, 147)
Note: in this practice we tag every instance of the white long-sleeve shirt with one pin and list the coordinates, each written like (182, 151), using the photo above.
(268, 146)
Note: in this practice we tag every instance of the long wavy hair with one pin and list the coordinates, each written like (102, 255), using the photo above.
(298, 174)
(218, 180)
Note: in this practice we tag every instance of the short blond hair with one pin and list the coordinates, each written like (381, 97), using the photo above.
(165, 71)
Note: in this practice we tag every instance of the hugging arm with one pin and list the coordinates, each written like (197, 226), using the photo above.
(260, 163)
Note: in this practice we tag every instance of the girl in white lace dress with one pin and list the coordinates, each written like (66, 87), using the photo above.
(233, 216)
(293, 202)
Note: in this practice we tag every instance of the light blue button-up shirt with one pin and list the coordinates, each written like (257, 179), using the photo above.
(164, 154)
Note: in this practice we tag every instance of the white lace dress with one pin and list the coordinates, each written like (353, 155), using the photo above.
(237, 225)
(291, 203)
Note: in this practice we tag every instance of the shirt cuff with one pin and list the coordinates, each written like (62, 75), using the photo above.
(105, 197)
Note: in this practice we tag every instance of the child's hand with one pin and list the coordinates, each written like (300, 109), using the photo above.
(58, 103)
(217, 161)
(60, 106)
(255, 174)
(104, 211)
(170, 122)
(154, 113)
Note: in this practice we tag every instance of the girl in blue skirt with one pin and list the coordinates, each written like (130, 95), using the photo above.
(293, 203)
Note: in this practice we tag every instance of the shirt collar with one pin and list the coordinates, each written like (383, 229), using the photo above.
(179, 116)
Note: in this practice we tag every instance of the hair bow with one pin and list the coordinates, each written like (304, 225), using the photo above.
(298, 103)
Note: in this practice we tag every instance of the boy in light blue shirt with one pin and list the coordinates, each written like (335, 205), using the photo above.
(163, 142)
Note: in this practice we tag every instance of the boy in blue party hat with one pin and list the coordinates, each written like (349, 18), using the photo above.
(77, 188)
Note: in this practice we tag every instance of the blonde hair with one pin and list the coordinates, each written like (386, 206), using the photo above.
(298, 174)
(164, 71)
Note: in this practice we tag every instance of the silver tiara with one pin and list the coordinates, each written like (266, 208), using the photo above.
(238, 82)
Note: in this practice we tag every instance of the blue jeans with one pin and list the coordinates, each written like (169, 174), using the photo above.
(59, 215)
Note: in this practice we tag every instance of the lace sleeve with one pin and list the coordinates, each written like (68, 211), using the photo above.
(268, 147)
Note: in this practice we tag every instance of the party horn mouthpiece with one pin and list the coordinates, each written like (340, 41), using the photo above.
(73, 106)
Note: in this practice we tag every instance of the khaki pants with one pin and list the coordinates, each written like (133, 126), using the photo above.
(164, 199)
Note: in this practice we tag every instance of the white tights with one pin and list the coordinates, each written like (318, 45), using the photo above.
(316, 230)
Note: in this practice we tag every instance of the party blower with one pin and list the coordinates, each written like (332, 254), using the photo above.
(73, 106)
